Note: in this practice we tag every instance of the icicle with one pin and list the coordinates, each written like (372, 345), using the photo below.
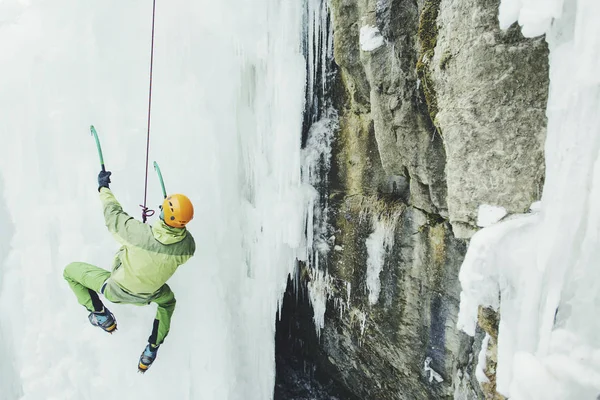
(316, 152)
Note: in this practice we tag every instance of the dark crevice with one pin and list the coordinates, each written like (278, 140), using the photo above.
(296, 352)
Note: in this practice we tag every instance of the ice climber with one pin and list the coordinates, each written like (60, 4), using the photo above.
(148, 257)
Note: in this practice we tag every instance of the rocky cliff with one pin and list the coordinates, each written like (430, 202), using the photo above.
(439, 112)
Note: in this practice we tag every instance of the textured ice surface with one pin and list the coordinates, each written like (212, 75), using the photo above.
(227, 113)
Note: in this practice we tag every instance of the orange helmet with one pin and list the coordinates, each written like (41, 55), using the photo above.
(177, 210)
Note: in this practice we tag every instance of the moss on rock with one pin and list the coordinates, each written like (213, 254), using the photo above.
(489, 321)
(428, 33)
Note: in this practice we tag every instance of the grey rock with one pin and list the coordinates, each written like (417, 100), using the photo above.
(379, 350)
(396, 185)
(492, 89)
(383, 84)
(406, 139)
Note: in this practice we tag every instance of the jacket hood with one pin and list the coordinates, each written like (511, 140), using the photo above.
(166, 234)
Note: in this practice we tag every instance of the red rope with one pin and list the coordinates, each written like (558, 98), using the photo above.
(145, 211)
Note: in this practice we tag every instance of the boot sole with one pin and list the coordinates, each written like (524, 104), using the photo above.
(142, 368)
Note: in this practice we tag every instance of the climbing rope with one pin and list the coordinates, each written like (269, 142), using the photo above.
(145, 211)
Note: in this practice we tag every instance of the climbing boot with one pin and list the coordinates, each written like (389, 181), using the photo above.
(147, 358)
(103, 319)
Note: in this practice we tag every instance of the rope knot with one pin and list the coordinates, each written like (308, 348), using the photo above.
(146, 212)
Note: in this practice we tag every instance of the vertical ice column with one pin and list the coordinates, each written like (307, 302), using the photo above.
(320, 123)
(378, 244)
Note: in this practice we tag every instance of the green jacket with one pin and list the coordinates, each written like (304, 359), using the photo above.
(149, 256)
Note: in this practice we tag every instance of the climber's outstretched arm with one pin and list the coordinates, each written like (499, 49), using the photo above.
(119, 223)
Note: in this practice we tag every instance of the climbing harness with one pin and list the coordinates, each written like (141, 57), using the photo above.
(145, 211)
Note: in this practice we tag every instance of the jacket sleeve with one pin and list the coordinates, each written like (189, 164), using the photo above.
(118, 222)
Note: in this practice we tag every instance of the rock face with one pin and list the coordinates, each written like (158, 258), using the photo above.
(382, 88)
(380, 348)
(439, 112)
(491, 88)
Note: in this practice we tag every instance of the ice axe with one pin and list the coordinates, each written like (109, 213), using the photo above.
(95, 135)
(160, 179)
(145, 211)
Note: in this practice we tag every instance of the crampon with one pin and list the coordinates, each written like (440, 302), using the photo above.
(147, 358)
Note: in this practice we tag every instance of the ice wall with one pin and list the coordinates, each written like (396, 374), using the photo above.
(541, 270)
(9, 383)
(226, 129)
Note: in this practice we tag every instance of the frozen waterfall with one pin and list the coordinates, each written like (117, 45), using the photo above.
(229, 94)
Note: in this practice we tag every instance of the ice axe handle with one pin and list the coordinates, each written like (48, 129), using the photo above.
(95, 135)
(160, 178)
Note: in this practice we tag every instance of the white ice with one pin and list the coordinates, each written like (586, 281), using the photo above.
(316, 159)
(541, 270)
(229, 84)
(433, 375)
(482, 361)
(319, 291)
(378, 244)
(534, 16)
(370, 38)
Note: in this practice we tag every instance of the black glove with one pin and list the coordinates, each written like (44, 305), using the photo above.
(104, 179)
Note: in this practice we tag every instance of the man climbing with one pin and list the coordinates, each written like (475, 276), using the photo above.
(148, 257)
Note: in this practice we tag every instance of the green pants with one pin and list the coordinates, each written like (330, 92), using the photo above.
(86, 280)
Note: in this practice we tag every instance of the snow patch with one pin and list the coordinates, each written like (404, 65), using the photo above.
(489, 215)
(535, 207)
(370, 38)
(534, 16)
(433, 375)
